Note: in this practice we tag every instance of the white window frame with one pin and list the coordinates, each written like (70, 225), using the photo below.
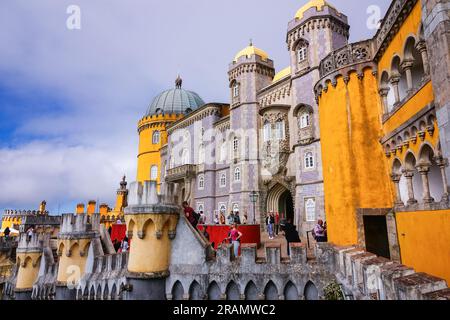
(280, 130)
(235, 144)
(305, 120)
(310, 217)
(236, 90)
(156, 137)
(267, 131)
(237, 175)
(201, 182)
(200, 207)
(222, 205)
(235, 207)
(223, 177)
(302, 53)
(153, 171)
(307, 159)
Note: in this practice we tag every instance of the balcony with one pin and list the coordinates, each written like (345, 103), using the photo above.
(180, 173)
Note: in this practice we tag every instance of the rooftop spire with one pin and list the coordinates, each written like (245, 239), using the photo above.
(178, 82)
(251, 42)
(123, 183)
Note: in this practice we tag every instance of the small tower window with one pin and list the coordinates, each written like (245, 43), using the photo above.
(302, 53)
(223, 180)
(154, 173)
(267, 131)
(305, 120)
(235, 89)
(156, 137)
(201, 182)
(237, 174)
(309, 160)
(280, 133)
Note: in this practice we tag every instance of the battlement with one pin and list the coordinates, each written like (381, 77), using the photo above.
(35, 243)
(9, 212)
(79, 224)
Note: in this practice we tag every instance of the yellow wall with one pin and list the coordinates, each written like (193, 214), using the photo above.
(149, 153)
(9, 221)
(355, 171)
(424, 239)
(409, 26)
(66, 270)
(27, 273)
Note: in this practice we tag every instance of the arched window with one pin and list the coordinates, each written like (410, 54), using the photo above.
(237, 174)
(267, 131)
(222, 208)
(305, 120)
(279, 129)
(235, 207)
(200, 207)
(223, 180)
(310, 209)
(309, 160)
(235, 89)
(302, 52)
(156, 137)
(201, 182)
(154, 173)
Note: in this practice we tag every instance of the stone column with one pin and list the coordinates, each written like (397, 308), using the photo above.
(398, 200)
(422, 48)
(423, 170)
(384, 93)
(409, 176)
(394, 81)
(407, 67)
(442, 164)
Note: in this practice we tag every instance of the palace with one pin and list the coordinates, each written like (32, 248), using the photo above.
(351, 133)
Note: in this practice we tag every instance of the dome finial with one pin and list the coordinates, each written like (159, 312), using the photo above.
(178, 82)
(251, 42)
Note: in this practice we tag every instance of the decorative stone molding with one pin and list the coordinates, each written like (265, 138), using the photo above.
(198, 115)
(250, 67)
(277, 93)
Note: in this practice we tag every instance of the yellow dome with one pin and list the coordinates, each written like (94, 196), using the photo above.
(251, 50)
(282, 74)
(313, 3)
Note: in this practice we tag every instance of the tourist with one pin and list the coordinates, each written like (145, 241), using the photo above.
(116, 245)
(222, 218)
(190, 214)
(202, 219)
(245, 219)
(319, 231)
(235, 236)
(30, 233)
(205, 232)
(270, 220)
(109, 230)
(230, 218)
(277, 223)
(237, 218)
(216, 219)
(6, 232)
(291, 234)
(124, 245)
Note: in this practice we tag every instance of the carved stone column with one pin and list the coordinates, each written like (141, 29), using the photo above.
(394, 81)
(398, 200)
(422, 48)
(442, 164)
(384, 94)
(409, 176)
(407, 67)
(424, 169)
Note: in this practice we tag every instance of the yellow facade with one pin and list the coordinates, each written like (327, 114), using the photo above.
(150, 153)
(350, 127)
(72, 261)
(424, 240)
(28, 269)
(151, 245)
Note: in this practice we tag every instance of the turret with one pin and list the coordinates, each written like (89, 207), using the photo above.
(78, 233)
(151, 226)
(28, 258)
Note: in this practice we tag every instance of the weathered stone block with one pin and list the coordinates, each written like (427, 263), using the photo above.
(414, 286)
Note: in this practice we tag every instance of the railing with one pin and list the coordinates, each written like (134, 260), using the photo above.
(346, 56)
(179, 173)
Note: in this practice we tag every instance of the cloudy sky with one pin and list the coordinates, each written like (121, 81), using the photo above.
(70, 99)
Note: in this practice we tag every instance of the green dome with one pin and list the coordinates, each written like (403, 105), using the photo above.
(175, 101)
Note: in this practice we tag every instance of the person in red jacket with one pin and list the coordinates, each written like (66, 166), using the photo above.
(277, 223)
(189, 213)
